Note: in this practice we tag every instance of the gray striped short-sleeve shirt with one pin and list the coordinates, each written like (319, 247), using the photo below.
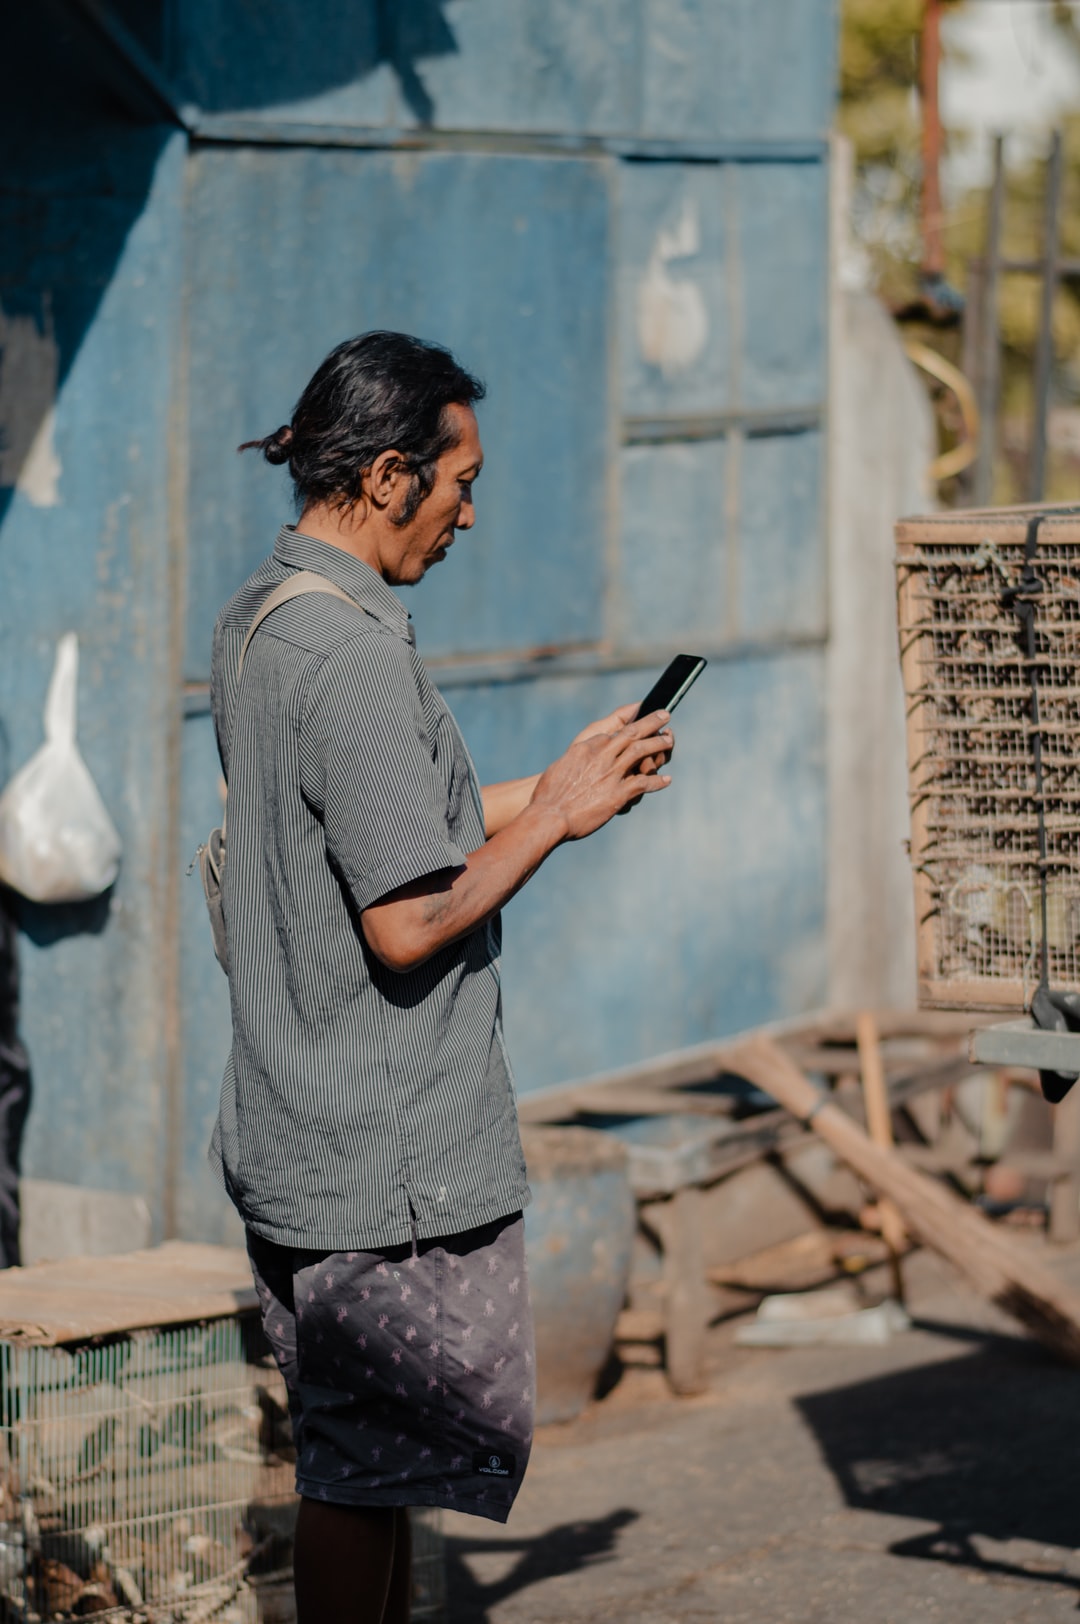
(359, 1106)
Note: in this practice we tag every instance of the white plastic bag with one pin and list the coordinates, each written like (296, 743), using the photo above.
(57, 842)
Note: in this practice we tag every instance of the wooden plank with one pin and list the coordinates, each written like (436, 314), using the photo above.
(705, 1061)
(722, 1147)
(686, 1298)
(879, 1124)
(78, 1298)
(711, 1154)
(621, 1099)
(838, 1026)
(1064, 1222)
(1033, 1164)
(808, 1260)
(715, 1153)
(1021, 1043)
(639, 1325)
(1007, 1274)
(977, 994)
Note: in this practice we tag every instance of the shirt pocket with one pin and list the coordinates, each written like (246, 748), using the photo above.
(453, 764)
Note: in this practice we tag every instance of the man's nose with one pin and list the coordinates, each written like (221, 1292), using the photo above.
(466, 517)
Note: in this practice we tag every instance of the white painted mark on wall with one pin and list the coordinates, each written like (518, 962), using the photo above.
(673, 322)
(29, 372)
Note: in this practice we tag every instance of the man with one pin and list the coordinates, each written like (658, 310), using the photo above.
(367, 1131)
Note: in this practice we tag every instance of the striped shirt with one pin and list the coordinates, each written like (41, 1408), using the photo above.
(359, 1106)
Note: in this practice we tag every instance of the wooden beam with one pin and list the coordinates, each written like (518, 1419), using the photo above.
(1065, 1195)
(879, 1124)
(678, 1222)
(808, 1260)
(1008, 1274)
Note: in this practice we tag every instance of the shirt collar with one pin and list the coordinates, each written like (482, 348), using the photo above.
(355, 577)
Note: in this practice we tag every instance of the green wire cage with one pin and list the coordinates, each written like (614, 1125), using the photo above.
(146, 1472)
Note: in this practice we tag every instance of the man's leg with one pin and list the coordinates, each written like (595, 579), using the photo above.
(399, 1595)
(347, 1564)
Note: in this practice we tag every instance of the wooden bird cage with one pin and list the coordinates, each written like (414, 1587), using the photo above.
(146, 1460)
(969, 682)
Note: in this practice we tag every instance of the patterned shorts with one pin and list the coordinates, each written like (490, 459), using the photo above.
(410, 1371)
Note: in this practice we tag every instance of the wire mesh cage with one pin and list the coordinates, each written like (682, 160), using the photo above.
(993, 723)
(148, 1477)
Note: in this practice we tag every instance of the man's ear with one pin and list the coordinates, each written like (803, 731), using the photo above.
(384, 477)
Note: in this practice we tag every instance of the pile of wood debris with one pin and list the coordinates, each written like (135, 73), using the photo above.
(791, 1156)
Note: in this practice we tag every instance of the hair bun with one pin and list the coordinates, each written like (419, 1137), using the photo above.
(276, 448)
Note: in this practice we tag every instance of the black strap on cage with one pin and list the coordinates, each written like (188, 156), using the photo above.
(1051, 1011)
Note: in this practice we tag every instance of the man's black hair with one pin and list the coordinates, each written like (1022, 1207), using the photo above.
(375, 393)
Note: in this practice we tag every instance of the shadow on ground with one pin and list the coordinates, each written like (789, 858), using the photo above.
(985, 1445)
(565, 1549)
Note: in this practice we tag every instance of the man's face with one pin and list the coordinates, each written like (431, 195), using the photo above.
(424, 540)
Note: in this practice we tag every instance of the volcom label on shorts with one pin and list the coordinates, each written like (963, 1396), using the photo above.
(493, 1464)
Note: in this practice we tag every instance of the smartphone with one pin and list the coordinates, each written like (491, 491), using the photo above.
(676, 681)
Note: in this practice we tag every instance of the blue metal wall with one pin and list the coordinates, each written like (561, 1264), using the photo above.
(615, 210)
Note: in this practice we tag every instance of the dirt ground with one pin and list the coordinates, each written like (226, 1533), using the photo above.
(936, 1477)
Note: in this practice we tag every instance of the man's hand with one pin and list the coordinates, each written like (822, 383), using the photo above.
(605, 770)
(601, 773)
(620, 717)
(506, 801)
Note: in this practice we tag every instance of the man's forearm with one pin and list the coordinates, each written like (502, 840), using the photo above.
(414, 922)
(504, 802)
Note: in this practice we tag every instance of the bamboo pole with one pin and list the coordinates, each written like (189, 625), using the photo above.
(1044, 354)
(879, 1124)
(933, 263)
(996, 1266)
(990, 341)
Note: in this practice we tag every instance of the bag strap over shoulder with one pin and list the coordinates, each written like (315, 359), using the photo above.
(295, 587)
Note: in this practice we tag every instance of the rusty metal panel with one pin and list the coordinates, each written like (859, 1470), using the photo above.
(722, 280)
(538, 65)
(506, 259)
(533, 65)
(721, 540)
(202, 1209)
(677, 546)
(678, 319)
(667, 69)
(782, 277)
(323, 63)
(781, 570)
(764, 68)
(84, 547)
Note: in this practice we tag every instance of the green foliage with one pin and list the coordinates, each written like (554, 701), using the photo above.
(879, 70)
(1019, 303)
(881, 113)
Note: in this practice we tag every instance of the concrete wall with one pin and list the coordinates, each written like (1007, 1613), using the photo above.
(881, 442)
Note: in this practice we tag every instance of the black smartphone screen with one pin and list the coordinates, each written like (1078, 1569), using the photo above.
(670, 687)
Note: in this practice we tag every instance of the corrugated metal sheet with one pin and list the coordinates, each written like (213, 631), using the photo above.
(615, 210)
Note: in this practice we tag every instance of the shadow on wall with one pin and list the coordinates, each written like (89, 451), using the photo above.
(983, 1446)
(76, 164)
(271, 53)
